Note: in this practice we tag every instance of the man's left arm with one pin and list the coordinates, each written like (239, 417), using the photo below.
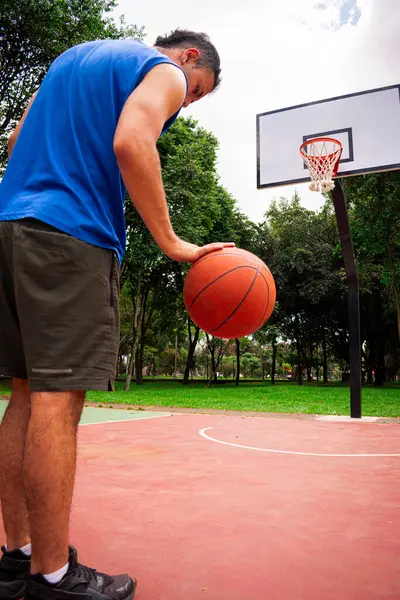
(13, 137)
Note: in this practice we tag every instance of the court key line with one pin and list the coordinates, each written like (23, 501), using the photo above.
(203, 434)
(129, 420)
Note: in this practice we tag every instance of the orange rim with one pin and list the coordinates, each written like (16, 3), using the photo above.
(327, 157)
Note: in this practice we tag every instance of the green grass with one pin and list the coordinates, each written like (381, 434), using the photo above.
(4, 387)
(259, 397)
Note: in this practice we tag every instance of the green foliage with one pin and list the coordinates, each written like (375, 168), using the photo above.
(300, 248)
(375, 216)
(32, 34)
(374, 202)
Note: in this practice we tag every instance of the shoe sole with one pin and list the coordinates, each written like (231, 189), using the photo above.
(15, 597)
(127, 598)
(134, 590)
(130, 597)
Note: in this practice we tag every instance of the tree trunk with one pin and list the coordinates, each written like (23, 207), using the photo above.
(324, 361)
(215, 376)
(132, 359)
(192, 348)
(380, 366)
(395, 292)
(274, 353)
(310, 364)
(213, 365)
(211, 348)
(379, 375)
(143, 327)
(215, 360)
(299, 374)
(299, 368)
(176, 356)
(120, 366)
(131, 363)
(397, 303)
(237, 343)
(139, 365)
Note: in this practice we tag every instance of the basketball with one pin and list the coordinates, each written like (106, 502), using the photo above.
(229, 293)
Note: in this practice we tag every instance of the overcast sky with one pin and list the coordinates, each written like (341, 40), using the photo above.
(277, 53)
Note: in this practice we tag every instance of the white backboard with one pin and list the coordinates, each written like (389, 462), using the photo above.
(367, 124)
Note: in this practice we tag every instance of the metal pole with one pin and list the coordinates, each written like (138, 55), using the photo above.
(350, 264)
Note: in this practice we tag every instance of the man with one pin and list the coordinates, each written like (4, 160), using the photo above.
(89, 133)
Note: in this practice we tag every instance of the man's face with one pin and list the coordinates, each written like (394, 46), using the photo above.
(200, 80)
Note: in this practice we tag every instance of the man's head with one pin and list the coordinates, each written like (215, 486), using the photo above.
(197, 56)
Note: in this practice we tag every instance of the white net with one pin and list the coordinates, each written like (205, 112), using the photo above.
(321, 156)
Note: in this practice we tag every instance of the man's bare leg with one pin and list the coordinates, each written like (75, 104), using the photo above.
(12, 446)
(49, 474)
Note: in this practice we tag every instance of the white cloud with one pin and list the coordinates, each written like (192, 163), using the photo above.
(274, 54)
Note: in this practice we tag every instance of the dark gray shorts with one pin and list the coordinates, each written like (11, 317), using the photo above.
(59, 313)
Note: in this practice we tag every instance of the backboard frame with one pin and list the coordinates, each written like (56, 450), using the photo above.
(341, 173)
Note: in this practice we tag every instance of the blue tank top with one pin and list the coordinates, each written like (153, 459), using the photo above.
(63, 169)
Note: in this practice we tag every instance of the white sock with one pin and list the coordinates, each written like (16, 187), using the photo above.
(27, 550)
(57, 575)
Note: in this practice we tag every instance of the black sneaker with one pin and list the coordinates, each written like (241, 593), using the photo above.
(81, 583)
(14, 572)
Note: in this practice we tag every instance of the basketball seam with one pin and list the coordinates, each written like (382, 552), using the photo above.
(240, 303)
(217, 278)
(267, 303)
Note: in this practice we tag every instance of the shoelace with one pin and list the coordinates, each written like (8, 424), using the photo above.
(90, 574)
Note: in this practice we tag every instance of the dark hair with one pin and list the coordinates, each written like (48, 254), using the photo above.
(182, 38)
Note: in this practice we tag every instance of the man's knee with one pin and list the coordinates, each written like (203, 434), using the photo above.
(66, 406)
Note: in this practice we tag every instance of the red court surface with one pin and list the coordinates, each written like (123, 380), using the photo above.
(195, 519)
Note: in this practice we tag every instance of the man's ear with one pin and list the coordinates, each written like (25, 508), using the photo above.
(190, 55)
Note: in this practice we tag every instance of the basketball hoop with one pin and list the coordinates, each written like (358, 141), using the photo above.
(321, 156)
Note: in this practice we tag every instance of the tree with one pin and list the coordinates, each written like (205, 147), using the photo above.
(237, 346)
(300, 247)
(268, 337)
(193, 338)
(32, 34)
(216, 348)
(375, 216)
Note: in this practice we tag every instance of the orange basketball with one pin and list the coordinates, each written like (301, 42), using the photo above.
(229, 293)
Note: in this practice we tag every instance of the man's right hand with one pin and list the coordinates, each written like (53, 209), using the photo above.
(182, 251)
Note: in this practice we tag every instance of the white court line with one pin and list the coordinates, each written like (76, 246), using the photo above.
(126, 420)
(202, 432)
